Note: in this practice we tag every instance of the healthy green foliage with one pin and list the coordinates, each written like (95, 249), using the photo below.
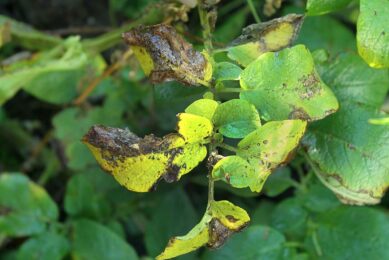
(92, 240)
(236, 118)
(319, 7)
(373, 33)
(26, 208)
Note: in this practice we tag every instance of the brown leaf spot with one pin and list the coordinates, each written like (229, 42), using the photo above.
(173, 57)
(231, 218)
(218, 234)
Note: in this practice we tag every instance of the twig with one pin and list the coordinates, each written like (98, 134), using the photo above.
(253, 11)
(109, 71)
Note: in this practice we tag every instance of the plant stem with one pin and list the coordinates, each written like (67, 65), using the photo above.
(316, 244)
(253, 11)
(207, 30)
(227, 147)
(230, 90)
(211, 188)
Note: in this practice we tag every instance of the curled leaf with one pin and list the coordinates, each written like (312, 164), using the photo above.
(220, 221)
(257, 39)
(138, 164)
(164, 55)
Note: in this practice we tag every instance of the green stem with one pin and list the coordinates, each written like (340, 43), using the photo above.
(253, 11)
(227, 147)
(316, 244)
(207, 30)
(294, 244)
(230, 90)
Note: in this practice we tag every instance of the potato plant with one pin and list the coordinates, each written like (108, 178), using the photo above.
(281, 135)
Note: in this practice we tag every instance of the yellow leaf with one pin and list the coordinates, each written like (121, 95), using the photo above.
(257, 39)
(220, 221)
(164, 55)
(138, 164)
(270, 146)
(194, 128)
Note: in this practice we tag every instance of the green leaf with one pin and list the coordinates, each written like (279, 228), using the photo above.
(203, 107)
(226, 71)
(236, 118)
(350, 155)
(319, 7)
(235, 171)
(373, 33)
(318, 198)
(221, 220)
(70, 125)
(257, 39)
(278, 182)
(52, 76)
(173, 214)
(46, 246)
(90, 240)
(83, 200)
(334, 36)
(26, 208)
(138, 164)
(290, 218)
(257, 242)
(27, 37)
(285, 85)
(165, 55)
(270, 146)
(362, 231)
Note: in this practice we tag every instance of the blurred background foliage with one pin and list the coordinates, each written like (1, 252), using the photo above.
(64, 68)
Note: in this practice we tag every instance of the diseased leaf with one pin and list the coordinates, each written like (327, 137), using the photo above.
(257, 39)
(138, 164)
(350, 155)
(319, 7)
(349, 227)
(373, 33)
(164, 55)
(236, 118)
(257, 242)
(194, 128)
(235, 171)
(227, 71)
(203, 107)
(285, 85)
(270, 146)
(221, 220)
(46, 246)
(91, 240)
(25, 208)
